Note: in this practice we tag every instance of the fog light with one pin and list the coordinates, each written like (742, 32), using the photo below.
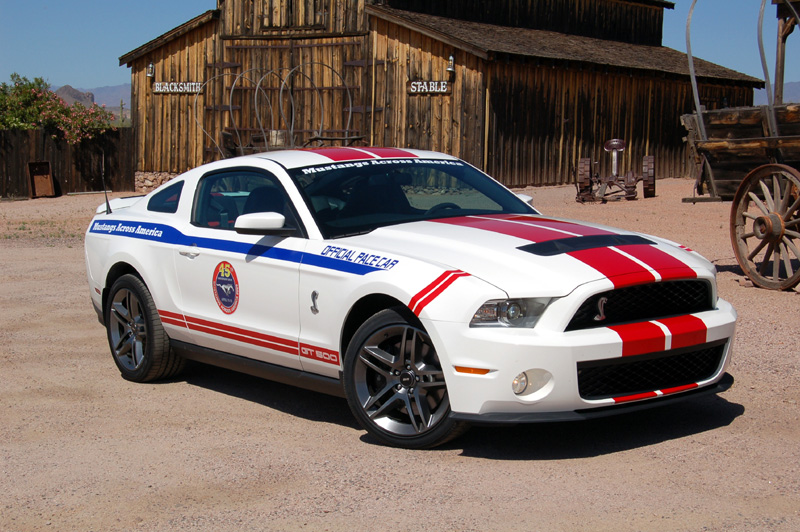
(520, 384)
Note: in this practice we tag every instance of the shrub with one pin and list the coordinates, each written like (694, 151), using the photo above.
(26, 104)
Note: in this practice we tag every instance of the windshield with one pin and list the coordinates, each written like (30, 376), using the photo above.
(358, 197)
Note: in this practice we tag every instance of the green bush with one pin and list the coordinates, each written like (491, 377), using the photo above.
(26, 104)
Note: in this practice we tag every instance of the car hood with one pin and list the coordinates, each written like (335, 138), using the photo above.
(537, 255)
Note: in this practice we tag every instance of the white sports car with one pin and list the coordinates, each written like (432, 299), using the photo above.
(409, 282)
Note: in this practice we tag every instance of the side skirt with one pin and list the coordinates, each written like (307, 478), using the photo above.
(256, 368)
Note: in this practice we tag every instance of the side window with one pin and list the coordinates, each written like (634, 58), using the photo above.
(223, 196)
(167, 199)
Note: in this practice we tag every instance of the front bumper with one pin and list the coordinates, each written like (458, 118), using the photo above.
(552, 359)
(580, 415)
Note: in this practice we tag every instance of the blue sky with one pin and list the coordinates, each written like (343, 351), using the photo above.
(79, 42)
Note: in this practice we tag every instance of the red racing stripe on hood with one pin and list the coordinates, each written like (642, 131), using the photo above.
(667, 266)
(621, 270)
(528, 228)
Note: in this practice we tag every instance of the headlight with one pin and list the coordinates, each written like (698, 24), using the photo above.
(510, 312)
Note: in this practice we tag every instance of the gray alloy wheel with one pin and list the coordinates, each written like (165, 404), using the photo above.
(395, 384)
(138, 342)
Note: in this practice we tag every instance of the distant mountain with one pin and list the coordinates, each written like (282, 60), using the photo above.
(71, 96)
(110, 96)
(791, 94)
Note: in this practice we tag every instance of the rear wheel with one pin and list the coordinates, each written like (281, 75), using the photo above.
(395, 385)
(137, 339)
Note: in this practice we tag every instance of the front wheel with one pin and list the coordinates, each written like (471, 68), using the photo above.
(137, 339)
(395, 385)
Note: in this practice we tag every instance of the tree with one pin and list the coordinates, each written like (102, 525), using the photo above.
(26, 104)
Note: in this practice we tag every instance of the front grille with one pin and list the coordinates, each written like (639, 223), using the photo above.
(617, 377)
(642, 303)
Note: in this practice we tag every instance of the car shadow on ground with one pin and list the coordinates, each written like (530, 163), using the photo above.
(600, 436)
(536, 441)
(291, 400)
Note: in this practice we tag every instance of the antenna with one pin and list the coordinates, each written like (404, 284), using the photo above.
(103, 178)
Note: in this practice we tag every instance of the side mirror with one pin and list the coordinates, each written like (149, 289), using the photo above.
(263, 223)
(527, 199)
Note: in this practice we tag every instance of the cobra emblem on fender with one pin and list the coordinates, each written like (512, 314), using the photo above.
(601, 309)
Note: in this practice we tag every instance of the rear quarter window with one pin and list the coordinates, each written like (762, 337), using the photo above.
(166, 200)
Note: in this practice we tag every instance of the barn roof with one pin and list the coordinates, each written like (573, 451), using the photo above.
(170, 36)
(486, 41)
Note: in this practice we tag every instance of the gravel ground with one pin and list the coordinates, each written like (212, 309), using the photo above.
(82, 449)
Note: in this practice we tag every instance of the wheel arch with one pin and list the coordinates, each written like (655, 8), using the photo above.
(365, 308)
(115, 272)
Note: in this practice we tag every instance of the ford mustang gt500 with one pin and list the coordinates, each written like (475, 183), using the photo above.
(409, 282)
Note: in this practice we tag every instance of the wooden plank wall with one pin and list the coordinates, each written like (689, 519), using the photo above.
(603, 19)
(253, 18)
(571, 113)
(74, 168)
(449, 123)
(167, 137)
(325, 87)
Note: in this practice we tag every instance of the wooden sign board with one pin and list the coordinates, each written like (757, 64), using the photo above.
(182, 87)
(418, 88)
(41, 180)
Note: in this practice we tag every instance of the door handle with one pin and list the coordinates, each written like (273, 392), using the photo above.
(190, 252)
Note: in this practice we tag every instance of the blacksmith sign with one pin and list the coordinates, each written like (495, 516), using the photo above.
(181, 87)
(429, 87)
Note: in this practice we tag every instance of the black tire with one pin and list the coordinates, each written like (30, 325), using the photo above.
(138, 342)
(394, 383)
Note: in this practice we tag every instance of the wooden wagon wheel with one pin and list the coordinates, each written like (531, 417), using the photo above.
(765, 226)
(649, 176)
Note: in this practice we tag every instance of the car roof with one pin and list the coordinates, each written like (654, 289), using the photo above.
(291, 159)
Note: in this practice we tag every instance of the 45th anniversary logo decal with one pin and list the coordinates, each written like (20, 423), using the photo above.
(226, 287)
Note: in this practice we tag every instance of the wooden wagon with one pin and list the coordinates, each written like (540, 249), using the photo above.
(741, 161)
(751, 155)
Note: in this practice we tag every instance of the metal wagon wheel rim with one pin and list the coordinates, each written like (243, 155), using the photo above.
(765, 226)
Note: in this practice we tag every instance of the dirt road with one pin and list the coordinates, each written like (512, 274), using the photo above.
(82, 449)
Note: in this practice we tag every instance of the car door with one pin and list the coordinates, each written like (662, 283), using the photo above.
(238, 293)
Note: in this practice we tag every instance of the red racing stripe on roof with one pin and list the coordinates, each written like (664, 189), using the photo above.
(342, 154)
(389, 153)
(338, 154)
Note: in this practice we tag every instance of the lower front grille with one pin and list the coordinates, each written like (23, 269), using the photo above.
(617, 377)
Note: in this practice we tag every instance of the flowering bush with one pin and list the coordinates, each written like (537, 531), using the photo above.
(26, 104)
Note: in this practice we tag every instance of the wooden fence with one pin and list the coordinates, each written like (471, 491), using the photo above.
(74, 169)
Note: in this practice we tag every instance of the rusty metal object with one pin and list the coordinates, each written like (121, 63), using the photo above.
(765, 226)
(592, 187)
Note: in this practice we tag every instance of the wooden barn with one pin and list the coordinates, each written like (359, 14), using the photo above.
(519, 88)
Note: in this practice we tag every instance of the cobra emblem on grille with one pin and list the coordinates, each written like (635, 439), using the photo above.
(601, 309)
